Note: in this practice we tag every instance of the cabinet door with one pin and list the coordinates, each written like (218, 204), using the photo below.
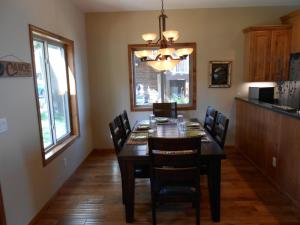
(280, 54)
(260, 48)
(289, 156)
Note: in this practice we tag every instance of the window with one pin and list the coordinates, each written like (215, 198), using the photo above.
(53, 65)
(148, 86)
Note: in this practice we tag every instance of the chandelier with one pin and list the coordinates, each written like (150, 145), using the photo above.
(166, 57)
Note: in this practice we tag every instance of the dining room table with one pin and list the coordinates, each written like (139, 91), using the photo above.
(135, 153)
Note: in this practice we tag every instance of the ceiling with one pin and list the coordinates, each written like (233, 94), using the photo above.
(136, 5)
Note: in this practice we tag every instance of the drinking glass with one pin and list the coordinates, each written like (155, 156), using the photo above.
(152, 122)
(180, 123)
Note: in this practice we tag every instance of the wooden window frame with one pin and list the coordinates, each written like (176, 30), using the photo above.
(68, 44)
(2, 211)
(134, 47)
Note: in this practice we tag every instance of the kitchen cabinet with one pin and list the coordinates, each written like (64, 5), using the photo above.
(293, 19)
(270, 140)
(267, 52)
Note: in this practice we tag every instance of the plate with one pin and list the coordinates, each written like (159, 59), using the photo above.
(143, 127)
(139, 137)
(193, 124)
(162, 119)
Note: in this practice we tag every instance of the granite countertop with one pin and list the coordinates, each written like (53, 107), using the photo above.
(269, 107)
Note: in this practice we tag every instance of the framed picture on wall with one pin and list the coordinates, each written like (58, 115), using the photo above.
(220, 74)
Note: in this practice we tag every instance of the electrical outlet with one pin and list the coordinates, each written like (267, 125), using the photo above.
(274, 162)
(65, 162)
(3, 125)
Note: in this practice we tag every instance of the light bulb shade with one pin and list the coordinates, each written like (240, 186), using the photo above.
(149, 37)
(143, 53)
(166, 51)
(171, 35)
(184, 51)
(163, 64)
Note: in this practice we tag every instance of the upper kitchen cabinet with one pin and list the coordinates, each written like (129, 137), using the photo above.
(294, 19)
(267, 52)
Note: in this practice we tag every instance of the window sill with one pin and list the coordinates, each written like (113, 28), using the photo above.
(55, 151)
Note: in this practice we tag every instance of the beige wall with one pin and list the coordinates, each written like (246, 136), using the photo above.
(217, 32)
(26, 184)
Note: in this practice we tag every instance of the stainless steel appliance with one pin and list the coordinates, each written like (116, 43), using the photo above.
(264, 94)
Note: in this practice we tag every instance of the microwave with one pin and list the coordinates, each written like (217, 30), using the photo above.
(264, 94)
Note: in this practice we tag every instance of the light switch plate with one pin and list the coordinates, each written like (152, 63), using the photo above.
(3, 125)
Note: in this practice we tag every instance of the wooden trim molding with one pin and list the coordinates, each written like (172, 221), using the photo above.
(134, 107)
(73, 105)
(2, 211)
(267, 27)
(290, 15)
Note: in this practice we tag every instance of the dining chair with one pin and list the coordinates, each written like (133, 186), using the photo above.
(119, 138)
(210, 119)
(220, 129)
(165, 109)
(174, 171)
(117, 133)
(125, 123)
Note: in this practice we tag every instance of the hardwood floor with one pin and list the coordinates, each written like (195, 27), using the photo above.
(92, 196)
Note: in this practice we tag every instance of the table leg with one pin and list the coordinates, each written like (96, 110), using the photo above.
(129, 189)
(122, 169)
(214, 184)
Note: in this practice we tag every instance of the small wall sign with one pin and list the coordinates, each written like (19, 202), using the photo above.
(15, 69)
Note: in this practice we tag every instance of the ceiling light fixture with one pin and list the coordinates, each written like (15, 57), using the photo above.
(167, 56)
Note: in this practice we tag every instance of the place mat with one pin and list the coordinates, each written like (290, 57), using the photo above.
(141, 127)
(138, 138)
(199, 132)
(194, 133)
(193, 124)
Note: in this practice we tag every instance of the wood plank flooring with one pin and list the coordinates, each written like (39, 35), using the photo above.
(92, 196)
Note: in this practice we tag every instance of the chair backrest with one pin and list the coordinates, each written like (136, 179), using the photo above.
(165, 109)
(174, 160)
(220, 129)
(117, 133)
(210, 119)
(125, 123)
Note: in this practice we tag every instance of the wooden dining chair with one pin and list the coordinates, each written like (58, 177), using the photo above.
(220, 129)
(165, 109)
(125, 123)
(174, 171)
(119, 138)
(210, 119)
(117, 133)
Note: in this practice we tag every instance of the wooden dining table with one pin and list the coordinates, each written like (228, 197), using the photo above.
(137, 155)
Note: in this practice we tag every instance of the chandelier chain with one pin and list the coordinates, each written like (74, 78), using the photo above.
(162, 7)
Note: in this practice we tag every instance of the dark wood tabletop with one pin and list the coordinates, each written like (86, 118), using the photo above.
(140, 152)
